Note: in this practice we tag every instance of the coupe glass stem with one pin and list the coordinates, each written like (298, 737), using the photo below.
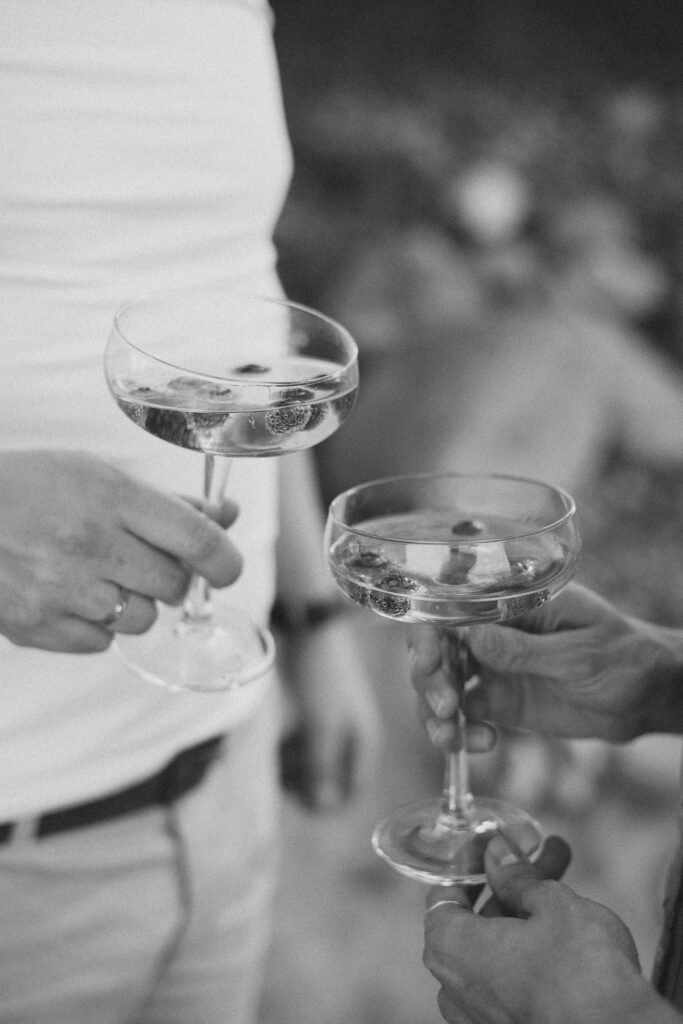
(197, 607)
(457, 799)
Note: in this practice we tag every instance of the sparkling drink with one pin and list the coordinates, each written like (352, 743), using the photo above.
(449, 550)
(226, 375)
(227, 417)
(401, 566)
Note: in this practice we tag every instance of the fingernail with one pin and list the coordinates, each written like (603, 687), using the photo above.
(442, 702)
(440, 733)
(481, 737)
(502, 853)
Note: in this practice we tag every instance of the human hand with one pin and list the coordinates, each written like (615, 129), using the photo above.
(540, 954)
(74, 530)
(576, 667)
(331, 750)
(430, 661)
(551, 862)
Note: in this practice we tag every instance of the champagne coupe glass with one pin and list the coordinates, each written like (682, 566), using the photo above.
(450, 550)
(230, 376)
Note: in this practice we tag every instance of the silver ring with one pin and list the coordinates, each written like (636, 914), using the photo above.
(448, 903)
(119, 607)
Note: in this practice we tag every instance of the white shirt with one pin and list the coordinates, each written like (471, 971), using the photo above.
(143, 147)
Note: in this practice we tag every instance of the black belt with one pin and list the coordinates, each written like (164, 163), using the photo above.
(179, 776)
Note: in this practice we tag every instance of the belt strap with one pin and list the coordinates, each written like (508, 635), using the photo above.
(179, 776)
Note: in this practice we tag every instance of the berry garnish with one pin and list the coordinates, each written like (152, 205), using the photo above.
(364, 558)
(287, 420)
(252, 368)
(467, 528)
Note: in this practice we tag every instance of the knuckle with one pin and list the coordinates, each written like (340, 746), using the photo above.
(550, 893)
(427, 958)
(100, 602)
(27, 616)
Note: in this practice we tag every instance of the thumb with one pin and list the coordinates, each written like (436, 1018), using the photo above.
(514, 880)
(551, 863)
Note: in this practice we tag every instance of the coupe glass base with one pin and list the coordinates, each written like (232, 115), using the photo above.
(207, 657)
(423, 842)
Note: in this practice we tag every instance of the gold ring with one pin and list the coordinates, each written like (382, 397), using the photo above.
(119, 607)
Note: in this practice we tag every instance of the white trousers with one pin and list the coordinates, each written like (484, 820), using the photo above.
(160, 917)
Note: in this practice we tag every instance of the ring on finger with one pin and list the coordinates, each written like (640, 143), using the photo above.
(448, 903)
(119, 607)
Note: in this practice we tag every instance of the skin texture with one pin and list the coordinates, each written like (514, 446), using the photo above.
(540, 954)
(74, 530)
(537, 952)
(576, 667)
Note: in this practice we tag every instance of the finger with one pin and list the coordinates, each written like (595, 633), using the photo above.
(97, 602)
(497, 698)
(515, 881)
(146, 570)
(551, 863)
(139, 615)
(225, 513)
(538, 704)
(69, 635)
(541, 643)
(510, 650)
(480, 737)
(173, 525)
(451, 898)
(431, 682)
(424, 649)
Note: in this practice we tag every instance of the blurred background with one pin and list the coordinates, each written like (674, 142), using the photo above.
(489, 194)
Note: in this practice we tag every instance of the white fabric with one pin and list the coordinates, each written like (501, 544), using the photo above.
(161, 917)
(131, 161)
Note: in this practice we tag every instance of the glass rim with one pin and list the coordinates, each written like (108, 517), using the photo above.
(249, 297)
(453, 542)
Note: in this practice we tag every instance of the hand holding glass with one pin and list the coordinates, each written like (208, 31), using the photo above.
(451, 550)
(233, 376)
